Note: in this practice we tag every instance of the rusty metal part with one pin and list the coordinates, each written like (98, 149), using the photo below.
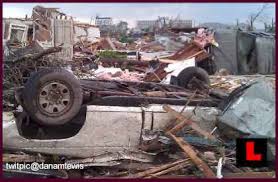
(139, 101)
(55, 97)
(124, 93)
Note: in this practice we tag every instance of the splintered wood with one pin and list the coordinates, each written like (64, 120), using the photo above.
(171, 169)
(163, 169)
(184, 121)
(186, 147)
(189, 152)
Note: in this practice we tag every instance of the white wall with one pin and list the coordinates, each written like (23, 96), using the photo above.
(91, 33)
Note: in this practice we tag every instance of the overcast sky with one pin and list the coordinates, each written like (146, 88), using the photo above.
(130, 12)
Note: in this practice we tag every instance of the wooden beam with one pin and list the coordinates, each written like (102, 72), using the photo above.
(189, 152)
(184, 121)
(158, 169)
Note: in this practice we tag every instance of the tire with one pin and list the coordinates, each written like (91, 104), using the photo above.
(52, 96)
(188, 73)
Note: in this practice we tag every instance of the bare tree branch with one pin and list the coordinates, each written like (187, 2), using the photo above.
(254, 16)
(260, 12)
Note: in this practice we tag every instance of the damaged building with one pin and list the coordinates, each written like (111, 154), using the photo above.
(86, 32)
(157, 105)
(53, 28)
(47, 28)
(17, 31)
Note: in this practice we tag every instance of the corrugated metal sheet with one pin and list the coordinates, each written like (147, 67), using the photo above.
(256, 53)
(226, 55)
(265, 50)
(245, 52)
(254, 111)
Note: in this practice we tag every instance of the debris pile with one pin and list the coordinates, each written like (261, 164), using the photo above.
(117, 74)
(191, 145)
(167, 73)
(17, 69)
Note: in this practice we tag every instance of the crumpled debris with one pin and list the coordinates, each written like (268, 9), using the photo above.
(117, 74)
(105, 159)
(252, 110)
(174, 69)
(204, 38)
(229, 83)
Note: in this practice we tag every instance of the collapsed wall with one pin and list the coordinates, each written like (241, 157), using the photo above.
(53, 28)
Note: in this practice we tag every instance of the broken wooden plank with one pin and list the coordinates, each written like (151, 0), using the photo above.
(196, 54)
(185, 121)
(156, 76)
(179, 126)
(189, 152)
(158, 169)
(36, 56)
(188, 101)
(172, 123)
(117, 156)
(171, 169)
(155, 94)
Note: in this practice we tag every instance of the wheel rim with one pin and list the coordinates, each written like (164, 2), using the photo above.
(54, 98)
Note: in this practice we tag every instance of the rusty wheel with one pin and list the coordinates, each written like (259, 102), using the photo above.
(55, 98)
(52, 96)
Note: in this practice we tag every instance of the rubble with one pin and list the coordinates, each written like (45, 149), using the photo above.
(86, 32)
(193, 156)
(53, 28)
(204, 37)
(189, 51)
(117, 74)
(17, 70)
(185, 122)
(250, 112)
(255, 123)
(138, 118)
(114, 159)
(160, 170)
